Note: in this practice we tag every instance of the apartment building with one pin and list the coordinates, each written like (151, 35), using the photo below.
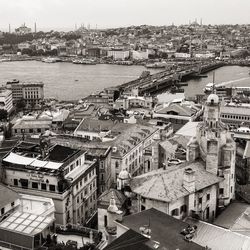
(60, 173)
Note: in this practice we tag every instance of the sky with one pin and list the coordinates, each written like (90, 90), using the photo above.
(64, 14)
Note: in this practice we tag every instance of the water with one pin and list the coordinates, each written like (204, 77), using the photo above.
(67, 81)
(225, 76)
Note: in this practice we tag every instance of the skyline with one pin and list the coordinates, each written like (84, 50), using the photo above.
(64, 14)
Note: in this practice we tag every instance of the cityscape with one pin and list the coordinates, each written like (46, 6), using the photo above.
(124, 136)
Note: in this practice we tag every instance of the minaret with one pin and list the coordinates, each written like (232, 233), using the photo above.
(35, 27)
(9, 29)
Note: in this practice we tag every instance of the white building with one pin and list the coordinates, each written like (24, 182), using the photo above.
(55, 172)
(6, 101)
(139, 55)
(118, 54)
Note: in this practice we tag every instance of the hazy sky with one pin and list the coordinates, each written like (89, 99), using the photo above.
(116, 13)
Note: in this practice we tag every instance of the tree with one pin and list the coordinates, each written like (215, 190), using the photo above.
(3, 114)
(20, 104)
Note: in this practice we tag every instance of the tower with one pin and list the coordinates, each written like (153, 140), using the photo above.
(215, 146)
(35, 27)
(9, 29)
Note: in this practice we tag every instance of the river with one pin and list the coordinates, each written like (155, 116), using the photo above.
(67, 81)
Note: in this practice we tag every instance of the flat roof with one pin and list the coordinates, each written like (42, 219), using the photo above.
(23, 160)
(26, 223)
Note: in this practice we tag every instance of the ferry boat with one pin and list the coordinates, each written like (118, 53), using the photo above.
(209, 88)
(83, 61)
(50, 59)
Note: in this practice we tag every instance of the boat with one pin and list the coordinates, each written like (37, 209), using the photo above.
(84, 61)
(156, 65)
(50, 59)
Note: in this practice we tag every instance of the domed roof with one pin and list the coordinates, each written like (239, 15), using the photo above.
(213, 99)
(124, 174)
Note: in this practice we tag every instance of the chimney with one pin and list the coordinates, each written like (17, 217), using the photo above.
(189, 180)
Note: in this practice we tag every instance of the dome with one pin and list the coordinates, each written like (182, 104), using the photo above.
(213, 99)
(124, 174)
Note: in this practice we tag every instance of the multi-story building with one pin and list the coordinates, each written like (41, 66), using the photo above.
(200, 186)
(23, 29)
(56, 172)
(6, 101)
(128, 142)
(30, 93)
(118, 54)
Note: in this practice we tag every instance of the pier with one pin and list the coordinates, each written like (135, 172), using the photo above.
(167, 78)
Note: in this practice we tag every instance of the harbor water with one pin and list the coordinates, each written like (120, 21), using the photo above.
(67, 81)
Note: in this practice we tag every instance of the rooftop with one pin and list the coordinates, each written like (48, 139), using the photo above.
(7, 196)
(131, 240)
(104, 198)
(218, 238)
(165, 229)
(167, 185)
(26, 223)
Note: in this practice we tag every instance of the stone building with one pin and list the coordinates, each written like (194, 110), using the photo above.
(202, 185)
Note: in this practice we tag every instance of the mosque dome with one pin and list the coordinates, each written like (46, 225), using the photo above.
(213, 99)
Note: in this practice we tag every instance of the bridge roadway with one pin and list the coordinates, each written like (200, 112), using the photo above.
(165, 79)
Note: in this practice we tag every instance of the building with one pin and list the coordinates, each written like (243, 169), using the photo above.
(128, 142)
(104, 203)
(25, 220)
(202, 185)
(133, 100)
(56, 172)
(6, 101)
(151, 229)
(22, 30)
(235, 115)
(31, 93)
(177, 112)
(118, 54)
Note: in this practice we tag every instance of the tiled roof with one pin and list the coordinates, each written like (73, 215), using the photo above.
(219, 238)
(104, 198)
(167, 185)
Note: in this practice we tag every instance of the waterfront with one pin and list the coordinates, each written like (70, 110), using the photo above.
(226, 76)
(66, 81)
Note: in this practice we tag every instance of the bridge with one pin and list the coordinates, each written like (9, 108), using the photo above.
(167, 78)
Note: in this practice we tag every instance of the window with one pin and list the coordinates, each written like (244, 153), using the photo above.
(52, 188)
(39, 130)
(183, 209)
(221, 191)
(43, 186)
(116, 164)
(12, 204)
(175, 212)
(31, 130)
(71, 167)
(101, 165)
(2, 211)
(200, 200)
(15, 182)
(35, 185)
(208, 197)
(231, 189)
